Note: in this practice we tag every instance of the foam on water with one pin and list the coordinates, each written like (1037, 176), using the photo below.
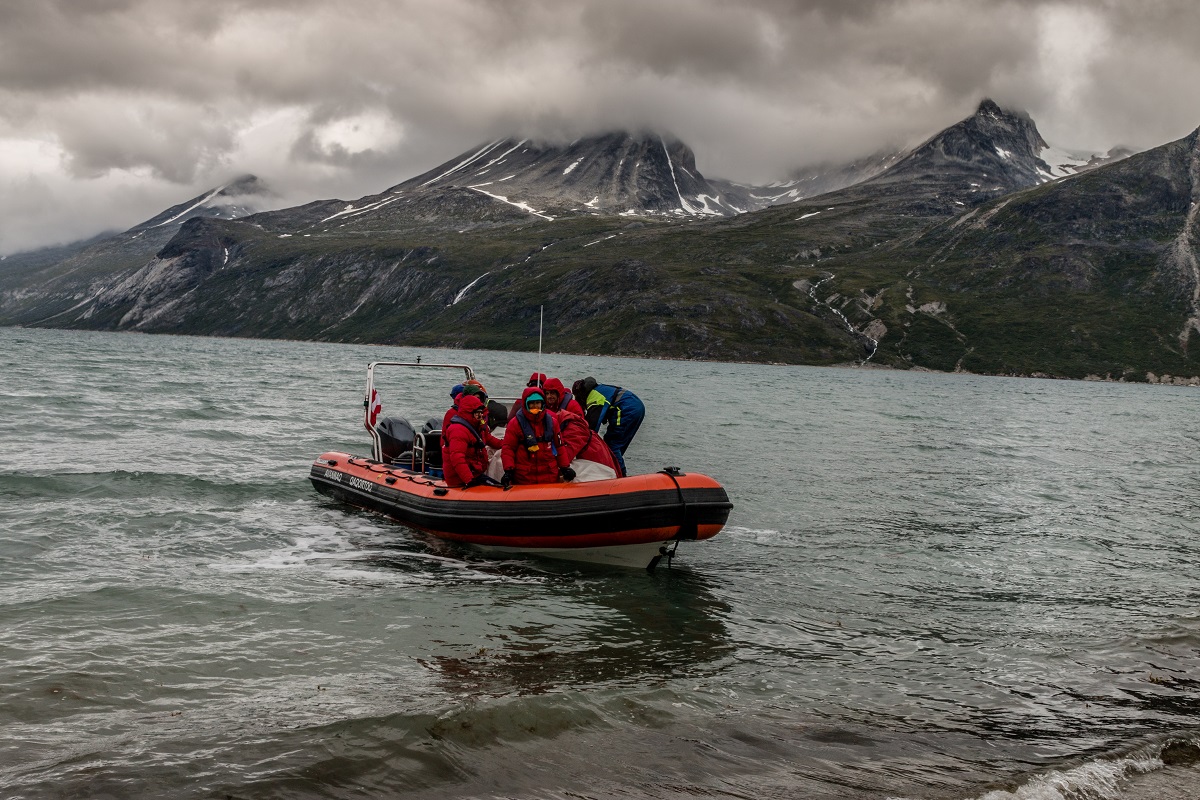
(315, 554)
(1101, 779)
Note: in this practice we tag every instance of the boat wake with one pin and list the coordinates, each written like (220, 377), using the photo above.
(364, 555)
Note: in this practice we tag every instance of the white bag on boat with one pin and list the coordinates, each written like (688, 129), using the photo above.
(584, 470)
(591, 471)
(495, 468)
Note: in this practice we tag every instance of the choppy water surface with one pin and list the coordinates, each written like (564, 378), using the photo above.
(932, 586)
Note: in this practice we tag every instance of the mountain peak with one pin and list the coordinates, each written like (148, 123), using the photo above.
(992, 152)
(617, 172)
(243, 185)
(237, 198)
(988, 108)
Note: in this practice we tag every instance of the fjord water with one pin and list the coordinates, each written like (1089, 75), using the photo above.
(931, 586)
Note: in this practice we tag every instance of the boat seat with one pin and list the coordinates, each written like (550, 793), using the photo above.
(431, 432)
(427, 451)
(433, 449)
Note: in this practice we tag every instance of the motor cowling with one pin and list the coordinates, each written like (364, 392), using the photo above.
(396, 436)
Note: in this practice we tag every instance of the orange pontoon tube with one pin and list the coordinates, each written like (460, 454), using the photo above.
(632, 521)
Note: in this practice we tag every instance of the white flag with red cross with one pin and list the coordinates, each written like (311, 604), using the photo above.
(374, 408)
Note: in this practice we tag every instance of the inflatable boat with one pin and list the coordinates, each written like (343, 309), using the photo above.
(635, 521)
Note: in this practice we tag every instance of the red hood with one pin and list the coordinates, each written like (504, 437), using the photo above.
(555, 385)
(467, 404)
(531, 390)
(525, 395)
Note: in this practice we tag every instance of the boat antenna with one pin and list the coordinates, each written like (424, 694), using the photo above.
(541, 312)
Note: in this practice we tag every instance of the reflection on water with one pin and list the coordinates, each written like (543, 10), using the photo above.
(640, 630)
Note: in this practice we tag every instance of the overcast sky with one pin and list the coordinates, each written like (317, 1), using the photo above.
(112, 110)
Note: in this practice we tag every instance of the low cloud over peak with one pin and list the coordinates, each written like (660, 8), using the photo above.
(111, 111)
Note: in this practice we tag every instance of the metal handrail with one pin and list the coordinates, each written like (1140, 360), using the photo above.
(419, 448)
(377, 443)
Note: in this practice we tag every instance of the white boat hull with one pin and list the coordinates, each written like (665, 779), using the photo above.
(626, 555)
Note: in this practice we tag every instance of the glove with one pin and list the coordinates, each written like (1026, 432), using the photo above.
(507, 479)
(566, 473)
(479, 480)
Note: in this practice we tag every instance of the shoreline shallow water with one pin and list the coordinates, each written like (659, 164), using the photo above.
(932, 586)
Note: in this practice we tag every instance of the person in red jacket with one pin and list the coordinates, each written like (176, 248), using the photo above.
(465, 440)
(471, 387)
(531, 453)
(580, 441)
(535, 381)
(559, 399)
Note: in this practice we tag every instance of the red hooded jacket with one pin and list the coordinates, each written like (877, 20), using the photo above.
(555, 385)
(580, 441)
(449, 415)
(538, 465)
(464, 450)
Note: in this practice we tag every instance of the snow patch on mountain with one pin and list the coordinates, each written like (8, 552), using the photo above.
(500, 158)
(204, 201)
(1063, 162)
(466, 162)
(463, 292)
(523, 206)
(683, 204)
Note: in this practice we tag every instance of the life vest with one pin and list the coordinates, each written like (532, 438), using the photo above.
(564, 400)
(608, 402)
(478, 444)
(530, 440)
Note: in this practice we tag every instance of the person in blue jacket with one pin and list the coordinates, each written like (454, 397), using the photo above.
(618, 408)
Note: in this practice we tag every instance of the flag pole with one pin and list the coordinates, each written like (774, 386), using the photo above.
(541, 312)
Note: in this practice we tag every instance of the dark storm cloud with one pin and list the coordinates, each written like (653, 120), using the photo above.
(158, 99)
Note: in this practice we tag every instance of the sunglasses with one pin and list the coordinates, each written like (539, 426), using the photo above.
(480, 414)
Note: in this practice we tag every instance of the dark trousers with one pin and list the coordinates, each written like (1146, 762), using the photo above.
(620, 434)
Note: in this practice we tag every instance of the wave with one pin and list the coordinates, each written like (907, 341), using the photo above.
(126, 484)
(1112, 777)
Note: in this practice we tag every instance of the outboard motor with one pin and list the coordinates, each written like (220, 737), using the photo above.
(433, 442)
(396, 436)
